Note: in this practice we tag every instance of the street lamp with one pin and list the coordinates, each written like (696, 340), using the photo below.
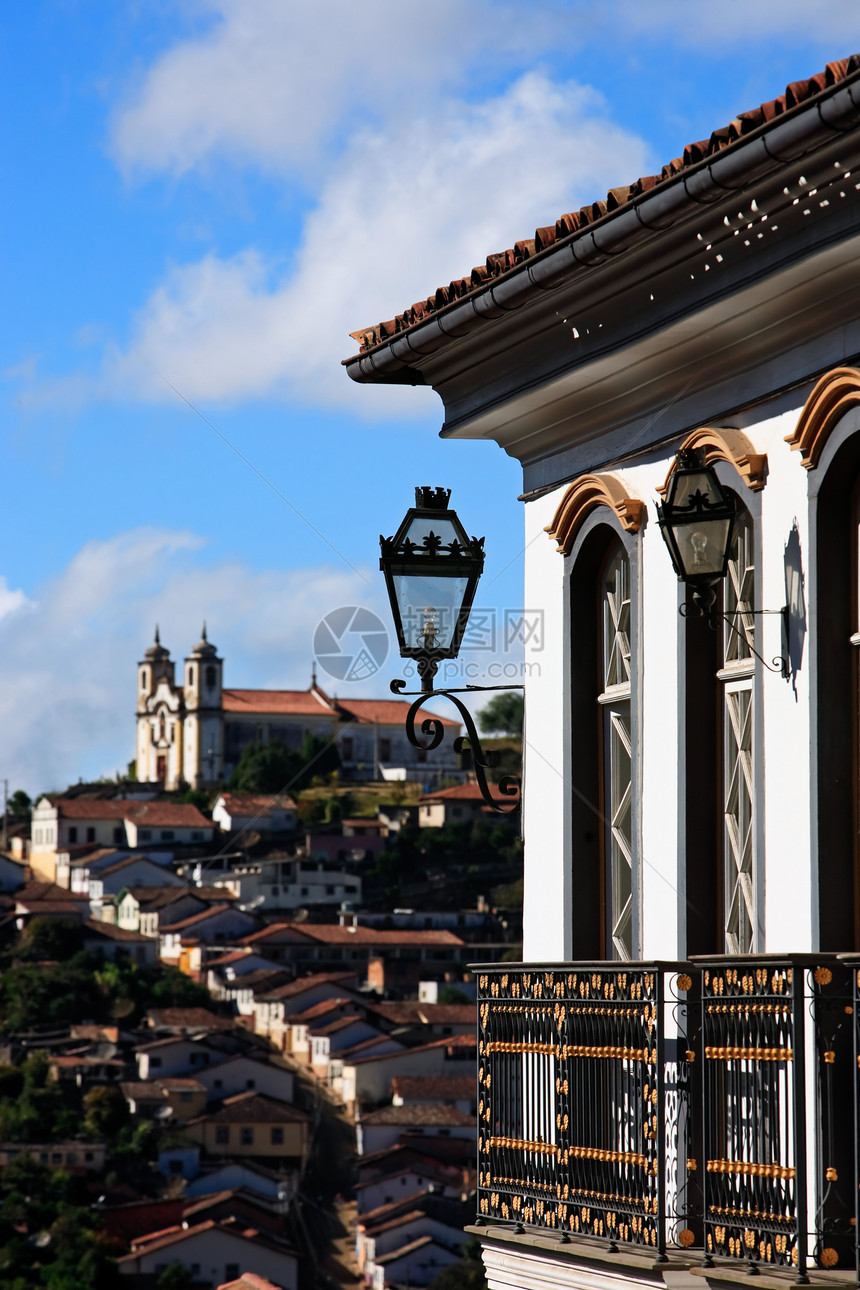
(431, 570)
(697, 521)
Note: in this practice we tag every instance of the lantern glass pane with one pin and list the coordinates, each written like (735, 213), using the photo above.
(702, 545)
(689, 483)
(423, 525)
(429, 609)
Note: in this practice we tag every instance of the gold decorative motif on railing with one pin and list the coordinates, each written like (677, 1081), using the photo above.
(615, 1157)
(612, 1051)
(510, 1046)
(735, 1054)
(746, 1009)
(780, 979)
(749, 1168)
(524, 1144)
(767, 1215)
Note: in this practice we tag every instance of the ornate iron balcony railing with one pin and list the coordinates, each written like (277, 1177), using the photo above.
(701, 1107)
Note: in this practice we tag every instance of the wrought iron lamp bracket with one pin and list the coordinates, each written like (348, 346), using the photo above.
(433, 731)
(700, 608)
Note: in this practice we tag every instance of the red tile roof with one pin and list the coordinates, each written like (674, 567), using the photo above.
(332, 934)
(199, 917)
(153, 1241)
(155, 814)
(429, 1113)
(468, 792)
(304, 983)
(289, 703)
(113, 933)
(386, 712)
(187, 1019)
(567, 226)
(434, 1088)
(254, 1108)
(35, 891)
(249, 1281)
(318, 1010)
(410, 1013)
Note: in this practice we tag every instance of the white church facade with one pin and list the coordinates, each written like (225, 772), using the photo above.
(191, 731)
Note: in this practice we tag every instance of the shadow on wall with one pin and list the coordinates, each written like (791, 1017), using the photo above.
(796, 602)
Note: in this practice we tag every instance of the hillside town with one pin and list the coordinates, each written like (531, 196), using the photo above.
(250, 1062)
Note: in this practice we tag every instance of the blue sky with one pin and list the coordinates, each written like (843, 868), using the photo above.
(210, 195)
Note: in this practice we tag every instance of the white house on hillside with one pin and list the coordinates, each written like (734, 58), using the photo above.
(669, 1080)
(62, 822)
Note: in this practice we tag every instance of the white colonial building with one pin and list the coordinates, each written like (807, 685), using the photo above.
(193, 732)
(669, 1082)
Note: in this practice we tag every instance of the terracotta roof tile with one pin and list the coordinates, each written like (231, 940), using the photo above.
(156, 814)
(187, 1019)
(257, 1108)
(434, 1088)
(468, 792)
(297, 703)
(113, 933)
(390, 712)
(501, 262)
(429, 1113)
(305, 983)
(199, 917)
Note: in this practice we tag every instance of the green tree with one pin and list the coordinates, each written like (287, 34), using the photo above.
(19, 803)
(174, 1277)
(319, 757)
(503, 714)
(196, 797)
(265, 768)
(105, 1111)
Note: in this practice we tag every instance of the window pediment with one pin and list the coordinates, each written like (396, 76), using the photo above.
(726, 444)
(581, 498)
(830, 399)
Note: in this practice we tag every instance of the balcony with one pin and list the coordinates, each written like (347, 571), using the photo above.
(702, 1113)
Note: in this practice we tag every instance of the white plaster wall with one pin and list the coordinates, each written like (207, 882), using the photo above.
(789, 901)
(546, 911)
(656, 693)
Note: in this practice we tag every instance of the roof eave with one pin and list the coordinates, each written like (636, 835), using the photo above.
(827, 115)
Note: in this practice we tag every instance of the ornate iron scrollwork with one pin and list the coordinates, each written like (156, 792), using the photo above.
(433, 731)
(700, 607)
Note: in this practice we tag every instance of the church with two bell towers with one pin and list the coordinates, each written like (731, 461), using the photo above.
(180, 736)
(191, 732)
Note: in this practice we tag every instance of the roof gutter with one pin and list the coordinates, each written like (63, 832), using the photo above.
(810, 124)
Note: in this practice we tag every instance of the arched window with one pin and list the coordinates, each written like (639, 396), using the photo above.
(603, 748)
(736, 677)
(835, 633)
(211, 677)
(617, 756)
(723, 881)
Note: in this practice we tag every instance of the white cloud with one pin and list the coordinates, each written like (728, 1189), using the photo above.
(271, 83)
(830, 24)
(404, 211)
(67, 657)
